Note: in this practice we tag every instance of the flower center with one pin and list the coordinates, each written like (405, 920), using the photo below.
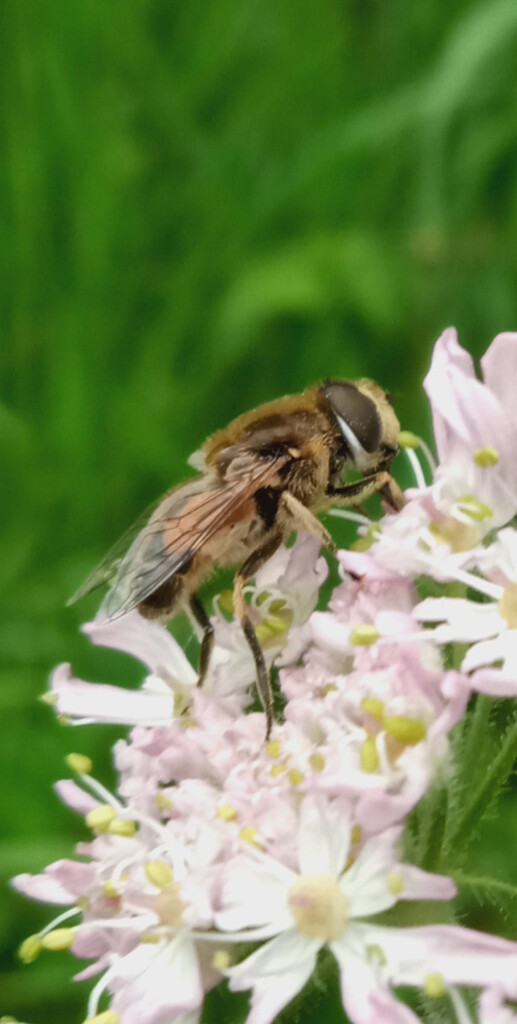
(508, 605)
(318, 907)
(169, 906)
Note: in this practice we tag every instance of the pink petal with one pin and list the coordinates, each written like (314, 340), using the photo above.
(493, 682)
(44, 888)
(74, 797)
(461, 956)
(389, 1010)
(499, 366)
(421, 885)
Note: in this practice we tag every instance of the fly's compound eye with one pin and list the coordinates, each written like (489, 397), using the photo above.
(357, 417)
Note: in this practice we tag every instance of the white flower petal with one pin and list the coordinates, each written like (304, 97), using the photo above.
(323, 837)
(153, 984)
(365, 884)
(109, 704)
(252, 896)
(463, 620)
(148, 641)
(358, 982)
(276, 972)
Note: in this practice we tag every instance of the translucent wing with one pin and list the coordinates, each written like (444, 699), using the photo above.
(182, 523)
(106, 570)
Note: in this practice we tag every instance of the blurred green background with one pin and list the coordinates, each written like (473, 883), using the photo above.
(205, 205)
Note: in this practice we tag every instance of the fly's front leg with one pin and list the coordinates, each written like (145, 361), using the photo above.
(354, 494)
(207, 641)
(303, 519)
(250, 568)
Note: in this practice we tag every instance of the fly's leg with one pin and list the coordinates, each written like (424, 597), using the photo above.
(354, 494)
(251, 566)
(303, 519)
(207, 641)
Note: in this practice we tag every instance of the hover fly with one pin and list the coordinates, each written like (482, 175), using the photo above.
(269, 473)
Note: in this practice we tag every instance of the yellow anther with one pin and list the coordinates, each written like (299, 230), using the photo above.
(63, 719)
(83, 904)
(369, 755)
(58, 939)
(248, 834)
(408, 731)
(221, 960)
(100, 818)
(272, 626)
(158, 873)
(508, 605)
(226, 601)
(273, 749)
(187, 722)
(180, 704)
(368, 538)
(295, 777)
(328, 688)
(226, 812)
(364, 635)
(434, 986)
(162, 802)
(150, 938)
(110, 890)
(48, 698)
(79, 763)
(395, 883)
(356, 835)
(317, 762)
(29, 949)
(122, 827)
(278, 605)
(407, 439)
(108, 1017)
(376, 955)
(277, 769)
(459, 536)
(474, 508)
(374, 707)
(488, 456)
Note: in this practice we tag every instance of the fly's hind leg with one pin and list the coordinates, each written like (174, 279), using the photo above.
(207, 641)
(251, 566)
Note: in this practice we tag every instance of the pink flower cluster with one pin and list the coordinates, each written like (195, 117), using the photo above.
(217, 839)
